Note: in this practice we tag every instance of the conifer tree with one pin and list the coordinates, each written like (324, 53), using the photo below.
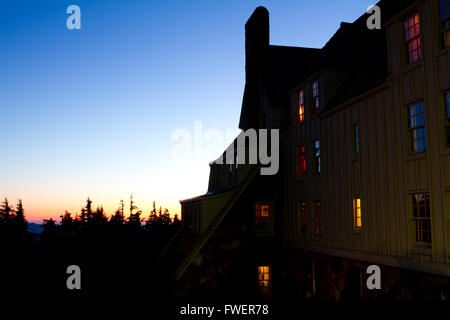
(18, 219)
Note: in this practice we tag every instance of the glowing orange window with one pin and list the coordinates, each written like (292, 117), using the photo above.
(357, 213)
(262, 210)
(301, 106)
(264, 280)
(263, 218)
(411, 28)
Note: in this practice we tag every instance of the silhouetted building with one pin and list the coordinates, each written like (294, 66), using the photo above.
(364, 172)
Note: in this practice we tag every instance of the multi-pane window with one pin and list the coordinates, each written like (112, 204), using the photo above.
(264, 280)
(355, 139)
(318, 217)
(447, 117)
(301, 106)
(301, 162)
(263, 218)
(411, 28)
(315, 94)
(422, 218)
(357, 213)
(444, 14)
(417, 129)
(316, 154)
(301, 216)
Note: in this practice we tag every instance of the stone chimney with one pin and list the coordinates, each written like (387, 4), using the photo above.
(256, 39)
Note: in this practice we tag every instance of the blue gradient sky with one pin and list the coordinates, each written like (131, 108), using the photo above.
(90, 112)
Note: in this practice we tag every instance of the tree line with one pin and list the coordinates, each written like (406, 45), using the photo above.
(91, 222)
(12, 221)
(116, 253)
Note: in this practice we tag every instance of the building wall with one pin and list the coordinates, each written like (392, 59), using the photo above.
(385, 174)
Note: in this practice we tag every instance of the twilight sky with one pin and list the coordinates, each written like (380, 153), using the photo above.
(92, 112)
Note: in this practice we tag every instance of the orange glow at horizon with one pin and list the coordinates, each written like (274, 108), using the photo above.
(37, 213)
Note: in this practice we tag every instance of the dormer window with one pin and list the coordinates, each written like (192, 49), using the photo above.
(411, 28)
(315, 94)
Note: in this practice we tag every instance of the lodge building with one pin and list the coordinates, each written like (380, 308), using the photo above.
(364, 173)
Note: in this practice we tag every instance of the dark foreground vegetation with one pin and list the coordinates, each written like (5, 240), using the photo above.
(117, 255)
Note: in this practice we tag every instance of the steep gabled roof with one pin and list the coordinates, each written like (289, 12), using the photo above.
(287, 66)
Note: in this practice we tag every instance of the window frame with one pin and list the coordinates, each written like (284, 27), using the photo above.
(356, 206)
(413, 129)
(264, 291)
(412, 38)
(318, 219)
(447, 118)
(355, 134)
(263, 227)
(317, 156)
(418, 232)
(301, 107)
(444, 23)
(302, 218)
(315, 88)
(301, 161)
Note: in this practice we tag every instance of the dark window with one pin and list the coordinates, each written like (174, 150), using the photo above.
(301, 106)
(318, 217)
(411, 28)
(444, 15)
(191, 218)
(355, 139)
(301, 162)
(447, 117)
(317, 156)
(301, 216)
(422, 218)
(263, 218)
(417, 129)
(315, 94)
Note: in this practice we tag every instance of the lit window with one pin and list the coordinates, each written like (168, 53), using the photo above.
(263, 218)
(422, 218)
(357, 213)
(355, 139)
(301, 218)
(444, 14)
(264, 280)
(301, 106)
(417, 129)
(412, 38)
(447, 117)
(315, 90)
(317, 156)
(301, 162)
(318, 217)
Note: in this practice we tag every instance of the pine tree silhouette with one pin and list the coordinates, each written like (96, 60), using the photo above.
(5, 212)
(18, 219)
